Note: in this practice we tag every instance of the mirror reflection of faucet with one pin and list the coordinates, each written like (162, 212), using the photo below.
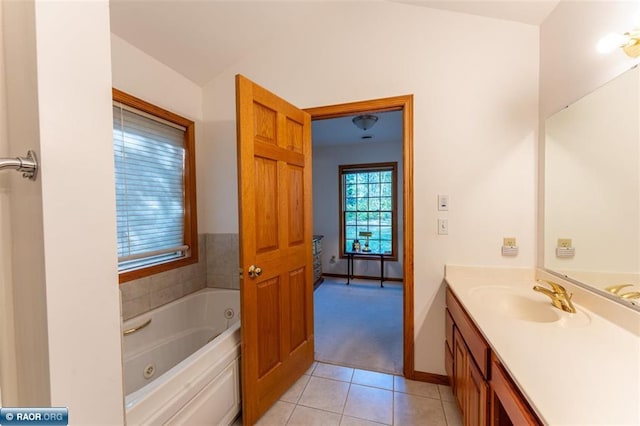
(615, 289)
(558, 295)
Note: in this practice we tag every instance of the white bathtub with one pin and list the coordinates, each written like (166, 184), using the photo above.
(194, 378)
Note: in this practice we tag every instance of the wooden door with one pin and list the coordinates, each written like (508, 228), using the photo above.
(276, 292)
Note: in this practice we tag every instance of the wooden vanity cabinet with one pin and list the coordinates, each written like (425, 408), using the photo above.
(484, 391)
(508, 407)
(471, 388)
(469, 364)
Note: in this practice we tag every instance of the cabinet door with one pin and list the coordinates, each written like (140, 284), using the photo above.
(477, 391)
(460, 367)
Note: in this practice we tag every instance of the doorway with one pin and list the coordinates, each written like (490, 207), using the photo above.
(404, 104)
(274, 178)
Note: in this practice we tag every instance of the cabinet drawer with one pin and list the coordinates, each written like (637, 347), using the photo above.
(478, 347)
(510, 399)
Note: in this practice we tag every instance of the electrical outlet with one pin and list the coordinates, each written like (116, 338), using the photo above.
(564, 242)
(509, 242)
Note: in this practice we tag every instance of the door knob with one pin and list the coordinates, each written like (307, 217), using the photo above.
(255, 271)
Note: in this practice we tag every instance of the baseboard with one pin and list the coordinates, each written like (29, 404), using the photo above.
(363, 277)
(317, 283)
(437, 379)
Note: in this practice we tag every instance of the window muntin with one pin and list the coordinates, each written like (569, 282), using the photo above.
(368, 204)
(155, 188)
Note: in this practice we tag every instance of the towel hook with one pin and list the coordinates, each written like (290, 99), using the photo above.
(27, 165)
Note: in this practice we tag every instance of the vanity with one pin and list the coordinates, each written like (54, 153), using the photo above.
(516, 356)
(513, 358)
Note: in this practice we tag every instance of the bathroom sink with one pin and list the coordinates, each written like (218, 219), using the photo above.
(518, 304)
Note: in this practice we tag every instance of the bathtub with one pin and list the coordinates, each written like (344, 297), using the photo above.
(183, 367)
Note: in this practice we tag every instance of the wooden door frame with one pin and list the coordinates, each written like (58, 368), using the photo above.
(404, 104)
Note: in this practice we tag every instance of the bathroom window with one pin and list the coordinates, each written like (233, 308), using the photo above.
(155, 188)
(368, 207)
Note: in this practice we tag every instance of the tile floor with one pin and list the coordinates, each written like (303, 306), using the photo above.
(334, 395)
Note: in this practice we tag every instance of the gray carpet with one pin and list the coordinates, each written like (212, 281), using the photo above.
(359, 325)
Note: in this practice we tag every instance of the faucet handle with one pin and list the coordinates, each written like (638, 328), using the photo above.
(615, 289)
(631, 295)
(556, 287)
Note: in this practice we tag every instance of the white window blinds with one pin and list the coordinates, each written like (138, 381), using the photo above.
(149, 163)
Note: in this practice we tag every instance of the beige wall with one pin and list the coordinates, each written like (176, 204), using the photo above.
(475, 82)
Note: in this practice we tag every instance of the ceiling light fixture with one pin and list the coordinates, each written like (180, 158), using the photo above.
(629, 42)
(365, 121)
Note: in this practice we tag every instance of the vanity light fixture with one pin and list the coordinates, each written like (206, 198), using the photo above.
(629, 42)
(365, 121)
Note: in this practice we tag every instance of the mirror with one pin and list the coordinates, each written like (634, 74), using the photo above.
(592, 190)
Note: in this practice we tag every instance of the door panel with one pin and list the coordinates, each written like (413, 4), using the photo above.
(297, 308)
(296, 205)
(269, 325)
(294, 136)
(265, 124)
(274, 184)
(267, 203)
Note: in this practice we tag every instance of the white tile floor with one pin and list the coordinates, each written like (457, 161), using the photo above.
(334, 395)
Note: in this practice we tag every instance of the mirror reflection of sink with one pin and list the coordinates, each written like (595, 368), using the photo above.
(516, 303)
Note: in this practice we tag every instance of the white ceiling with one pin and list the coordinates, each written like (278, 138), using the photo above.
(342, 131)
(526, 11)
(199, 39)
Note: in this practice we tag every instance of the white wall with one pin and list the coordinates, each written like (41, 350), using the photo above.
(571, 67)
(138, 74)
(27, 250)
(326, 209)
(592, 162)
(8, 379)
(476, 97)
(64, 231)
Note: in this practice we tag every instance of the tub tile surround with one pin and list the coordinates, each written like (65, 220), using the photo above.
(217, 267)
(593, 375)
(223, 261)
(335, 395)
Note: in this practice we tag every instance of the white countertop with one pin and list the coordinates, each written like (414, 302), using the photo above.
(582, 369)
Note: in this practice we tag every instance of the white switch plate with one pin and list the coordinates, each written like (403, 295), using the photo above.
(443, 226)
(443, 203)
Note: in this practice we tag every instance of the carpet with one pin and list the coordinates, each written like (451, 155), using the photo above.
(359, 325)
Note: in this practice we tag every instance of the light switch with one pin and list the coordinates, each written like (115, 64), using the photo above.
(443, 226)
(443, 203)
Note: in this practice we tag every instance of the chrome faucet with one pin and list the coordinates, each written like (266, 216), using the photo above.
(559, 296)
